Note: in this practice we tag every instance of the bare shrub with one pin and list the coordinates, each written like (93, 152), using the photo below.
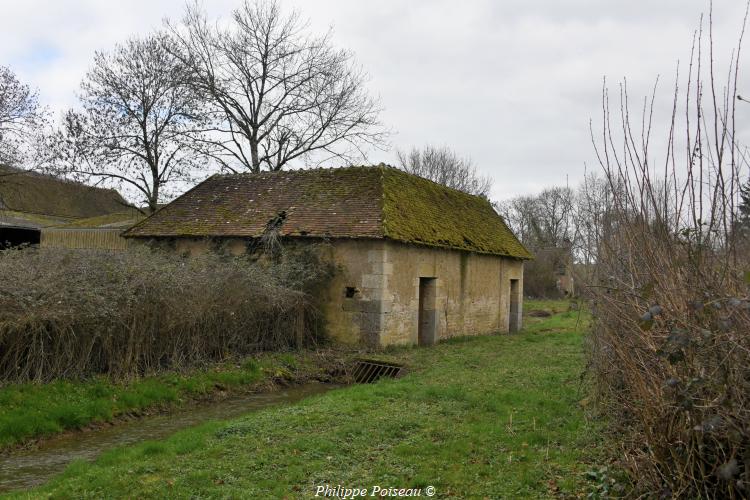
(670, 350)
(76, 313)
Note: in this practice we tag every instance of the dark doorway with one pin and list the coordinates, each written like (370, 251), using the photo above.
(515, 302)
(11, 236)
(427, 334)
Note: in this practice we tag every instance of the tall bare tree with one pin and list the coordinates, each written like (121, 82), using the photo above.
(444, 166)
(20, 117)
(277, 93)
(593, 216)
(131, 131)
(546, 223)
(543, 220)
(743, 217)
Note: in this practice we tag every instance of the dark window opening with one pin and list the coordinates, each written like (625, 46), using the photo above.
(351, 291)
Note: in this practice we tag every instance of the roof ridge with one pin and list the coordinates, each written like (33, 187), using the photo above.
(381, 201)
(442, 186)
(304, 169)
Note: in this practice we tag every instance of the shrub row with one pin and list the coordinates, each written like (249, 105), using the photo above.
(670, 352)
(76, 313)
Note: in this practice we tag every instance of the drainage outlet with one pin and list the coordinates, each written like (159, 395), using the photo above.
(366, 371)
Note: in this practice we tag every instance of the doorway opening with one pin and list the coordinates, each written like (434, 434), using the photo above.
(427, 332)
(13, 236)
(515, 312)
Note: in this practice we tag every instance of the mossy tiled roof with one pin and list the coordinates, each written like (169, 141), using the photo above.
(353, 202)
(421, 211)
(35, 193)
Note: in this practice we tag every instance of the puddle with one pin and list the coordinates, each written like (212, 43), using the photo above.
(27, 468)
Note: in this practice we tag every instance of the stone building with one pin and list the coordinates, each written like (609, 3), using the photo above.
(419, 261)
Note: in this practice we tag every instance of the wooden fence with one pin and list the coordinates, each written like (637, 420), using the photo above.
(95, 238)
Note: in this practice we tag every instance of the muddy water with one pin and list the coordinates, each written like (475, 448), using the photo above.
(27, 468)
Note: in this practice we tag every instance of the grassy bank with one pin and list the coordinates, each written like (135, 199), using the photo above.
(32, 411)
(493, 416)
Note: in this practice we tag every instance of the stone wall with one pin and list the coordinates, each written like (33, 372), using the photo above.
(472, 291)
(355, 307)
(374, 298)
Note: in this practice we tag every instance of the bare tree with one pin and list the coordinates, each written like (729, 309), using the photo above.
(20, 117)
(546, 224)
(543, 220)
(132, 129)
(593, 217)
(519, 214)
(277, 94)
(444, 166)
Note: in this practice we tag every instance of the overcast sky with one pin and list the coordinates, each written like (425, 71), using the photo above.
(510, 83)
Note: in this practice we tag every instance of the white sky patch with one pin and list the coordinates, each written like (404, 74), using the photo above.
(511, 84)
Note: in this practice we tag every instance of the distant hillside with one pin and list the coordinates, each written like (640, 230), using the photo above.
(41, 194)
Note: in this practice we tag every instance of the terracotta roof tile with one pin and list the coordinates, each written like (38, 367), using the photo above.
(352, 202)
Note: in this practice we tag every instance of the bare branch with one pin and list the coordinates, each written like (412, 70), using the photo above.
(20, 118)
(444, 166)
(139, 126)
(276, 94)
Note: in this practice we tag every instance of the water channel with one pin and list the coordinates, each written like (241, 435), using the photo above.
(27, 468)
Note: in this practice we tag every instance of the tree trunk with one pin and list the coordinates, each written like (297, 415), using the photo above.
(254, 155)
(153, 201)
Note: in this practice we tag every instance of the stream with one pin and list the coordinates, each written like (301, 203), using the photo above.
(27, 468)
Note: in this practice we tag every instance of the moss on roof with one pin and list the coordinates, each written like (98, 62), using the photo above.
(417, 210)
(36, 193)
(318, 203)
(352, 202)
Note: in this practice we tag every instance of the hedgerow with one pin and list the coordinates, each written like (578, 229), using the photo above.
(74, 313)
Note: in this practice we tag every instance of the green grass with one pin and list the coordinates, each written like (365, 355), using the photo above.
(30, 411)
(493, 416)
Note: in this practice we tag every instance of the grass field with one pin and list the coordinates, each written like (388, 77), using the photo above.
(31, 411)
(494, 416)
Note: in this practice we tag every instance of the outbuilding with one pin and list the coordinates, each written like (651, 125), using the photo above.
(33, 203)
(419, 261)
